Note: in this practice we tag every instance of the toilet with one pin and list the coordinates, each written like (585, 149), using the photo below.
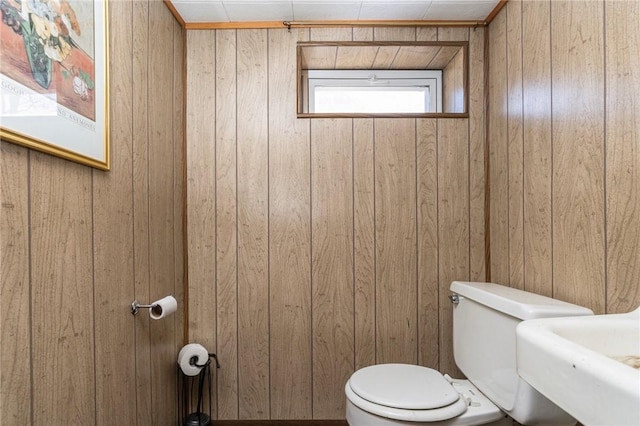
(485, 316)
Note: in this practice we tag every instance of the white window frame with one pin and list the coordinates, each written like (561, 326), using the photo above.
(373, 78)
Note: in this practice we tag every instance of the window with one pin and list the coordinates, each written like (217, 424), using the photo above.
(372, 91)
(382, 79)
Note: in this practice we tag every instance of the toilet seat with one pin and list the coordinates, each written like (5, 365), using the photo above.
(405, 392)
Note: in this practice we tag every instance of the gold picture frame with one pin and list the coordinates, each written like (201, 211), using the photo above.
(54, 78)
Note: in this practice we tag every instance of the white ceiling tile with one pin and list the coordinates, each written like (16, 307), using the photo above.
(200, 11)
(239, 10)
(308, 10)
(457, 10)
(461, 1)
(325, 10)
(397, 10)
(392, 2)
(325, 2)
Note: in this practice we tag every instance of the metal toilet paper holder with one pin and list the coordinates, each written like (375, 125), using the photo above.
(135, 306)
(158, 309)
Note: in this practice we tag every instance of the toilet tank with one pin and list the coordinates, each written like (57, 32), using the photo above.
(485, 317)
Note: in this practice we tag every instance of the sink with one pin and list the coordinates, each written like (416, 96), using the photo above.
(588, 365)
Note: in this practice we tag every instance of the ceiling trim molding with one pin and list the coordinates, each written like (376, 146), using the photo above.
(175, 13)
(328, 24)
(249, 25)
(363, 23)
(495, 11)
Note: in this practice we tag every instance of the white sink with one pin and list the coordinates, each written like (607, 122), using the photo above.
(580, 363)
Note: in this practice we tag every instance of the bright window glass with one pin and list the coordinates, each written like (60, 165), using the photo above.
(372, 100)
(373, 91)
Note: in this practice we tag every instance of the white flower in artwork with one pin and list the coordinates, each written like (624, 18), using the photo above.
(80, 87)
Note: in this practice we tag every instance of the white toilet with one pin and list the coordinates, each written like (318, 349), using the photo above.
(485, 317)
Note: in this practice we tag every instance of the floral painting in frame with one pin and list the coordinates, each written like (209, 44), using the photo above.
(54, 79)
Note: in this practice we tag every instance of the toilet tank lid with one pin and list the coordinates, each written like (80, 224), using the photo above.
(517, 303)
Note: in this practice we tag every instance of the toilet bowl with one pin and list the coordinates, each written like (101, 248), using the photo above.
(485, 317)
(403, 394)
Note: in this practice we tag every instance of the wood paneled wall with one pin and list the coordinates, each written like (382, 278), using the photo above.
(78, 245)
(453, 84)
(564, 138)
(319, 246)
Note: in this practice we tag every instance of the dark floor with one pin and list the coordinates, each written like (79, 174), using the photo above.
(279, 423)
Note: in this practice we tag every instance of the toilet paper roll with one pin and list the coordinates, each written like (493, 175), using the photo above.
(163, 307)
(189, 356)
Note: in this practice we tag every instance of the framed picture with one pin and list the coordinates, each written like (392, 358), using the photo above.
(54, 78)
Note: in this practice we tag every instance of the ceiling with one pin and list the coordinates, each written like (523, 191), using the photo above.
(226, 11)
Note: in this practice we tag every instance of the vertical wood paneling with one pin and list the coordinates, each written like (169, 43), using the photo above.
(201, 217)
(453, 214)
(89, 238)
(578, 153)
(426, 34)
(332, 260)
(15, 290)
(178, 181)
(453, 225)
(364, 234)
(579, 163)
(140, 187)
(427, 209)
(498, 152)
(453, 84)
(394, 34)
(448, 87)
(477, 151)
(538, 160)
(515, 149)
(622, 155)
(253, 225)
(395, 230)
(332, 279)
(226, 243)
(161, 201)
(362, 34)
(427, 231)
(453, 34)
(395, 218)
(113, 274)
(289, 236)
(351, 243)
(62, 294)
(334, 34)
(364, 243)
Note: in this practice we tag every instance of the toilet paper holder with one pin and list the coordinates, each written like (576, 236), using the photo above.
(135, 306)
(159, 309)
